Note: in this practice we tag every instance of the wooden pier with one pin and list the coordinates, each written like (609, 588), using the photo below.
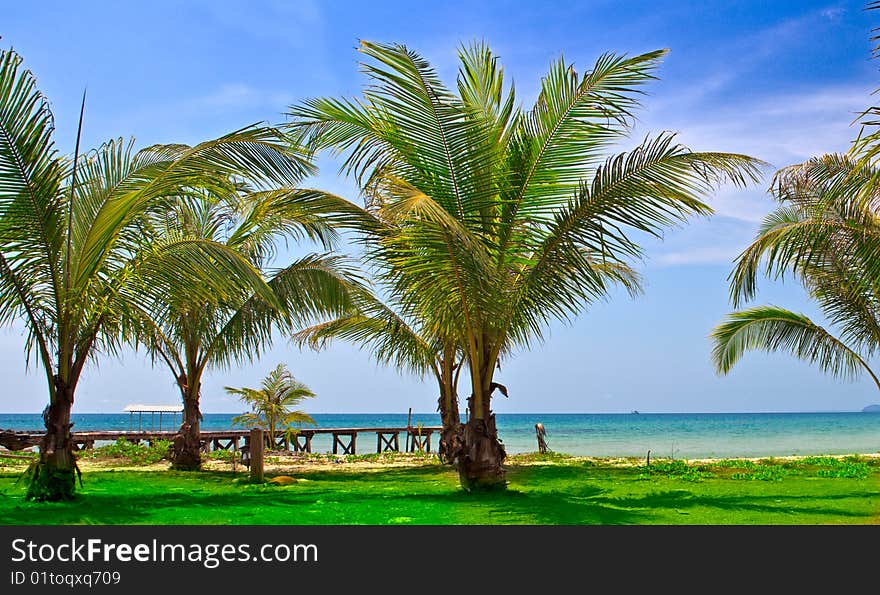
(344, 440)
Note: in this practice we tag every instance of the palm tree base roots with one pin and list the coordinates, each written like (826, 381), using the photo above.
(53, 477)
(479, 454)
(186, 449)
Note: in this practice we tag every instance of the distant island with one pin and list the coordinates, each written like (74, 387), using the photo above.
(871, 409)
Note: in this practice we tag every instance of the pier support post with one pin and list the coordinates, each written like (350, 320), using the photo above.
(388, 441)
(347, 449)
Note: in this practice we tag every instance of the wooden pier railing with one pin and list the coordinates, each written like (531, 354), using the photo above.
(344, 439)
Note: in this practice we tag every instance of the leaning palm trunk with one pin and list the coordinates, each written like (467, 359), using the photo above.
(451, 424)
(446, 371)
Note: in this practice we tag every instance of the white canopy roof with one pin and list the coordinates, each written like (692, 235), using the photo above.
(153, 408)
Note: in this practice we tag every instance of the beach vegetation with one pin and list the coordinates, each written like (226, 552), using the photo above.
(825, 234)
(273, 404)
(130, 452)
(675, 468)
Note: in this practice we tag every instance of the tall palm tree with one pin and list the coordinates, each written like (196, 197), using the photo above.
(272, 405)
(498, 220)
(189, 332)
(404, 344)
(73, 266)
(826, 233)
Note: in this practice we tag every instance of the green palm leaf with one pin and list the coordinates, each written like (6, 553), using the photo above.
(770, 328)
(272, 404)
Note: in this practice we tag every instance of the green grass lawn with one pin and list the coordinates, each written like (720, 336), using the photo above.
(563, 491)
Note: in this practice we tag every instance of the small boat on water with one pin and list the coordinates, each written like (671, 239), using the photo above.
(634, 412)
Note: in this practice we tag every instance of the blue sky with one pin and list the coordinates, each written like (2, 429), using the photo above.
(781, 81)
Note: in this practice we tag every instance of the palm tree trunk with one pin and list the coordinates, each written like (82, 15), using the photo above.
(475, 446)
(186, 444)
(480, 454)
(53, 477)
(449, 416)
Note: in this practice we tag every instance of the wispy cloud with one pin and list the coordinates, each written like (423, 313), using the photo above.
(278, 21)
(781, 129)
(704, 255)
(186, 119)
(236, 96)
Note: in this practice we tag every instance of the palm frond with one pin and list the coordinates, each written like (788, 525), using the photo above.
(770, 328)
(573, 120)
(312, 287)
(823, 216)
(589, 241)
(31, 199)
(390, 339)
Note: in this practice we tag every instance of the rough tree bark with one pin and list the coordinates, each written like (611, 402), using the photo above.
(474, 446)
(447, 405)
(451, 422)
(53, 477)
(480, 453)
(187, 445)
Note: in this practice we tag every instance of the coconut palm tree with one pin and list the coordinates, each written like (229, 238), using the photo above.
(497, 220)
(189, 332)
(403, 344)
(272, 404)
(74, 269)
(826, 233)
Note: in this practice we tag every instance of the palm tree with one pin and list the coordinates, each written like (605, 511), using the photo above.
(404, 344)
(272, 404)
(73, 266)
(189, 332)
(493, 221)
(826, 233)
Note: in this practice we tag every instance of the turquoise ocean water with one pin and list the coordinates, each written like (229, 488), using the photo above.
(682, 435)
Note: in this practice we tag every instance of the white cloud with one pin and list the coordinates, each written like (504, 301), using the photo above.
(702, 255)
(780, 129)
(235, 96)
(278, 21)
(832, 13)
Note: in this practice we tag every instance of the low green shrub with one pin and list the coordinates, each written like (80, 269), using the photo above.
(547, 457)
(136, 454)
(678, 469)
(764, 473)
(222, 455)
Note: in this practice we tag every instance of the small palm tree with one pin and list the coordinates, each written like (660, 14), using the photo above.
(272, 405)
(826, 233)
